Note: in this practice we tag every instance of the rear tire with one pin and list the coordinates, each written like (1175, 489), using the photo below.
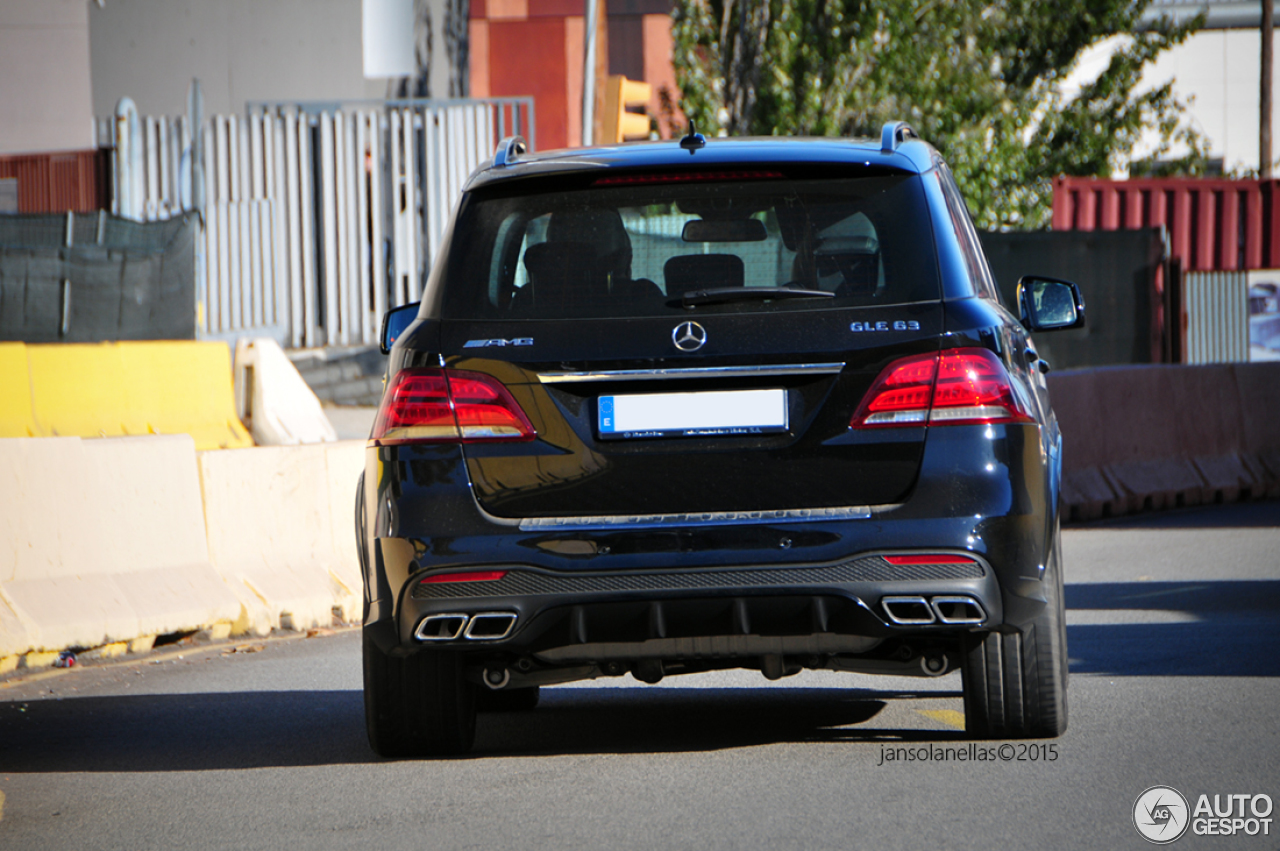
(1015, 684)
(417, 705)
(508, 699)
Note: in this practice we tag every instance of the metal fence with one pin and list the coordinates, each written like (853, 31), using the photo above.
(1217, 311)
(318, 216)
(89, 277)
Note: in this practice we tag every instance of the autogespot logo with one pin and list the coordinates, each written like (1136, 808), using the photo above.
(1160, 814)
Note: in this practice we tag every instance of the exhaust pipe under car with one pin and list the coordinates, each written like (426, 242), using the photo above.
(934, 663)
(496, 678)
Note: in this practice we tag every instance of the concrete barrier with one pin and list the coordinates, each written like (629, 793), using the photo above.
(1258, 386)
(16, 419)
(1159, 436)
(104, 541)
(272, 399)
(120, 389)
(280, 533)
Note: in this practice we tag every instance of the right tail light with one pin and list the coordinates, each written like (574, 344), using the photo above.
(952, 387)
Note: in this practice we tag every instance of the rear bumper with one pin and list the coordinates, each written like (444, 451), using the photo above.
(983, 491)
(574, 616)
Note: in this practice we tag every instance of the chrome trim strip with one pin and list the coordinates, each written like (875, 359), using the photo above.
(693, 372)
(724, 518)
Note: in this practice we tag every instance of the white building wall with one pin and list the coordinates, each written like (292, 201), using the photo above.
(45, 99)
(1220, 72)
(241, 50)
(1217, 74)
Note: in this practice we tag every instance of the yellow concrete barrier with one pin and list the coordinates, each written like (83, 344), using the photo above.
(16, 419)
(119, 389)
(280, 531)
(103, 541)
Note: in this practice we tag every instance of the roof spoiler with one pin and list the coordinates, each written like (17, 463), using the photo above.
(508, 149)
(894, 134)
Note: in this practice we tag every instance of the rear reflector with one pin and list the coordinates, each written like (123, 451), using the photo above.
(928, 559)
(470, 576)
(945, 388)
(450, 406)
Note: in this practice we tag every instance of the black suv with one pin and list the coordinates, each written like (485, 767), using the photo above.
(684, 406)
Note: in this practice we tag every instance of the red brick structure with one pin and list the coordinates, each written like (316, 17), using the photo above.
(536, 47)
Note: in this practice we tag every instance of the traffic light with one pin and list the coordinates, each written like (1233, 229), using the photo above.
(619, 124)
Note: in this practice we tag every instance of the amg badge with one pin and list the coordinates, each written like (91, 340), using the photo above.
(480, 344)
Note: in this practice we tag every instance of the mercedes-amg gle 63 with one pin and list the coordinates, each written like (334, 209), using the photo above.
(683, 406)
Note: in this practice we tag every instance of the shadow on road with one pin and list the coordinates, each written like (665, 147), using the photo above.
(1228, 629)
(637, 720)
(210, 732)
(1238, 515)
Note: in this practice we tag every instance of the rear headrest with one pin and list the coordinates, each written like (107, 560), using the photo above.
(563, 275)
(565, 264)
(702, 271)
(602, 228)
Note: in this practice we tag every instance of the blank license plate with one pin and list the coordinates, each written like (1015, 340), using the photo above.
(722, 412)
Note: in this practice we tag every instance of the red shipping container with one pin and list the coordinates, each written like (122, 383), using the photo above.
(56, 182)
(1213, 224)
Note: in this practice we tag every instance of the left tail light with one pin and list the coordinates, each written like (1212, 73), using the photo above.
(952, 387)
(448, 406)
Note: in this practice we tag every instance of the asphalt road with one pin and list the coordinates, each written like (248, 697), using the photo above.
(1174, 633)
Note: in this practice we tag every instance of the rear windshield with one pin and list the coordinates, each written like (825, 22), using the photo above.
(636, 245)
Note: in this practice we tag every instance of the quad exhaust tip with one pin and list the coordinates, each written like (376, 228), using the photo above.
(948, 609)
(451, 626)
(908, 611)
(957, 610)
(445, 627)
(490, 626)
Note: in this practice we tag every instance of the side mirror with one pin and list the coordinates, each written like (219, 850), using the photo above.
(394, 321)
(1047, 304)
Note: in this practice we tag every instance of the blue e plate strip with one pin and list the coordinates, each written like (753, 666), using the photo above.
(606, 415)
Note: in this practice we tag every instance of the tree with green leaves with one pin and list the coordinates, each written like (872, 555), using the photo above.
(980, 80)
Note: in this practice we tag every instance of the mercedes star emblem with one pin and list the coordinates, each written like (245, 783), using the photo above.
(689, 336)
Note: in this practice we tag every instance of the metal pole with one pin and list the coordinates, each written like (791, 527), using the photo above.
(129, 177)
(195, 119)
(589, 74)
(1264, 111)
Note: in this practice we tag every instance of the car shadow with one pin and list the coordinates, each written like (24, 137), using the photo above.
(1262, 514)
(222, 731)
(1216, 629)
(639, 720)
